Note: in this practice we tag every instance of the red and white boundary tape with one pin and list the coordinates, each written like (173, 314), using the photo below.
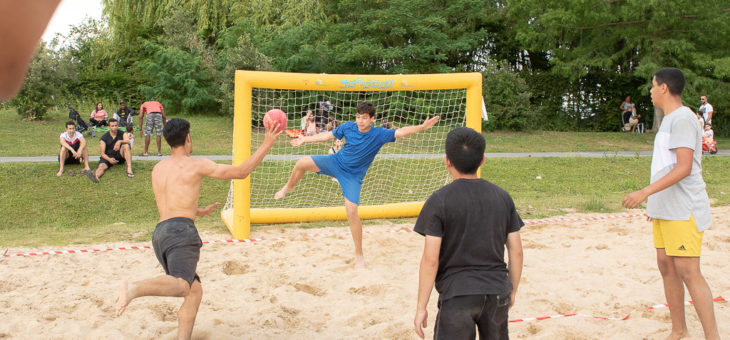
(540, 318)
(527, 222)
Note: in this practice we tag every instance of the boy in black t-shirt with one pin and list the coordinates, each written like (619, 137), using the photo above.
(114, 149)
(467, 224)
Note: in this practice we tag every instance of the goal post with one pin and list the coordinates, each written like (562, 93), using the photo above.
(238, 214)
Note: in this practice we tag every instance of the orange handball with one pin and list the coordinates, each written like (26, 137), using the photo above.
(275, 116)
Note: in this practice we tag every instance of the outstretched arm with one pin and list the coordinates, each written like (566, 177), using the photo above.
(320, 137)
(224, 171)
(408, 130)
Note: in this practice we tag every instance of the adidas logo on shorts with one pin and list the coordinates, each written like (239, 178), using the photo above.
(682, 248)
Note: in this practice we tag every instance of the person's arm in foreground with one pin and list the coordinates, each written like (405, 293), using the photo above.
(426, 278)
(514, 264)
(408, 130)
(320, 137)
(225, 171)
(681, 170)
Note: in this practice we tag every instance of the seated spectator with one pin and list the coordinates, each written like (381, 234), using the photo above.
(332, 124)
(305, 119)
(114, 149)
(312, 128)
(708, 136)
(124, 114)
(98, 116)
(634, 120)
(627, 109)
(73, 149)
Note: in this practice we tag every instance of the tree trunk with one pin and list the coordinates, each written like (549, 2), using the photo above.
(658, 116)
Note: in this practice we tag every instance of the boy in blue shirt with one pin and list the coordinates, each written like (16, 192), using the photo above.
(350, 164)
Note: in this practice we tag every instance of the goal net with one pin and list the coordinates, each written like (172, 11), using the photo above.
(401, 177)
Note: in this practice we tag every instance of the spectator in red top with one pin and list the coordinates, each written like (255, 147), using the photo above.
(155, 120)
(98, 116)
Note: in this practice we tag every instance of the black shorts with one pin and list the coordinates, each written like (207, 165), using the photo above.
(70, 157)
(458, 316)
(112, 154)
(177, 246)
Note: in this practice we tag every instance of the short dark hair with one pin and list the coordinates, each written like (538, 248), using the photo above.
(465, 149)
(113, 121)
(673, 77)
(70, 122)
(366, 107)
(175, 131)
(130, 127)
(122, 102)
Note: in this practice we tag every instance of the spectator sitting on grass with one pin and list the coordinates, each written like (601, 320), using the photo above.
(98, 116)
(73, 149)
(114, 149)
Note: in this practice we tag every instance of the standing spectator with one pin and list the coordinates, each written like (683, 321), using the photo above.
(98, 116)
(73, 149)
(114, 149)
(706, 110)
(124, 114)
(700, 120)
(155, 121)
(467, 225)
(305, 120)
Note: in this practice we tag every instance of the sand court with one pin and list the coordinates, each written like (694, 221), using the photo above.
(301, 284)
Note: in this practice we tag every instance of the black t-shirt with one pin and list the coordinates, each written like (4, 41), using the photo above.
(109, 141)
(123, 114)
(626, 116)
(473, 218)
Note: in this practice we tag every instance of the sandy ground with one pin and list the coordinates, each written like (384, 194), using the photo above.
(305, 287)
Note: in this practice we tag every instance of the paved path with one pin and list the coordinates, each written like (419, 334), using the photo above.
(489, 155)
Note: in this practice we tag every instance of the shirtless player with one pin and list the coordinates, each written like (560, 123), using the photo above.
(176, 184)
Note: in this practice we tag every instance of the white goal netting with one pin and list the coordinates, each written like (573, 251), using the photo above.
(407, 170)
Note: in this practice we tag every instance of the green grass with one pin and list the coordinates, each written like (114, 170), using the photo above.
(41, 209)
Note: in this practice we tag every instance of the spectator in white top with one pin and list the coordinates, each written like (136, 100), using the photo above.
(706, 110)
(73, 149)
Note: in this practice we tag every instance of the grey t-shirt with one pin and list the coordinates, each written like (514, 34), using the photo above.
(687, 197)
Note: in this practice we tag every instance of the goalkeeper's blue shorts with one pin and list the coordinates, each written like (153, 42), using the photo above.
(349, 183)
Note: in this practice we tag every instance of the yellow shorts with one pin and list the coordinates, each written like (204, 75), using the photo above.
(678, 238)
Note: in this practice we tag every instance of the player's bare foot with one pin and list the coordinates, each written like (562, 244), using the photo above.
(60, 172)
(677, 335)
(360, 261)
(281, 193)
(124, 297)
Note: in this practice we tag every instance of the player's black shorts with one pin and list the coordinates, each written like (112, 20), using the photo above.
(70, 157)
(459, 316)
(177, 246)
(112, 154)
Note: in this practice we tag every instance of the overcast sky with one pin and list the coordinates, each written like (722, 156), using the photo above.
(71, 13)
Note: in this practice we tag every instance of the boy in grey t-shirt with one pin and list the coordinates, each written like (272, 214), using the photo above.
(678, 204)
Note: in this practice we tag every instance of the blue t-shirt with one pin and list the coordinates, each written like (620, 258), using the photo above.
(360, 149)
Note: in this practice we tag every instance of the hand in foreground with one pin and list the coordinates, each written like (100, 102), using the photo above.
(430, 122)
(271, 132)
(633, 199)
(420, 322)
(207, 210)
(297, 142)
